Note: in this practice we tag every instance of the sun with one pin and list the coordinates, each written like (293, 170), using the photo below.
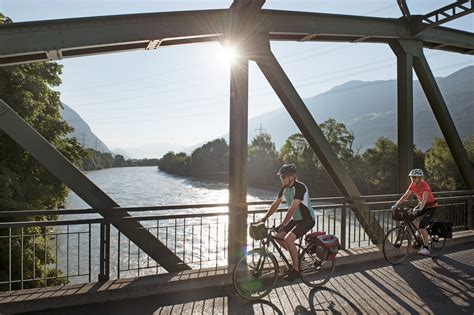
(227, 54)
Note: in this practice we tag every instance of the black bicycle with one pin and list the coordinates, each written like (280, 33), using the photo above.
(257, 272)
(400, 239)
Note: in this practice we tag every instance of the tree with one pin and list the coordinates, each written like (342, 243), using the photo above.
(210, 159)
(296, 150)
(380, 164)
(262, 161)
(442, 172)
(24, 183)
(339, 138)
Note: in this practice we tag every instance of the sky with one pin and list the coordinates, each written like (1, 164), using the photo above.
(180, 94)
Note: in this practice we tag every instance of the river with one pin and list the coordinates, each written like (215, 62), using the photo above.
(135, 187)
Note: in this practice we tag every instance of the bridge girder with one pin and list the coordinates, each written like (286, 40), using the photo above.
(67, 38)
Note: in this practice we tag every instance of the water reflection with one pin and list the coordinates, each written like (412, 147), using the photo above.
(147, 186)
(195, 240)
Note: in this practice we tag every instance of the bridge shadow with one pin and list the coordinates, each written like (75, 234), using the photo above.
(418, 285)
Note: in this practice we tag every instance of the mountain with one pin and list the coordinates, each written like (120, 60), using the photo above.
(150, 150)
(82, 132)
(369, 110)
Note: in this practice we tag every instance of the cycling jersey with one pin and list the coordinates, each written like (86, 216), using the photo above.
(418, 190)
(300, 192)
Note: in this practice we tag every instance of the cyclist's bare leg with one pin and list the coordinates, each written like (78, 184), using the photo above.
(290, 243)
(425, 237)
(281, 235)
(424, 233)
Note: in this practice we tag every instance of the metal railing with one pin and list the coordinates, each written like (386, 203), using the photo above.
(80, 246)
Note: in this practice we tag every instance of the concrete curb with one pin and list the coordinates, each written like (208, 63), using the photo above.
(97, 292)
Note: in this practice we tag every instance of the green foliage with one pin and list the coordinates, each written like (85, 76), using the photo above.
(95, 160)
(380, 164)
(35, 252)
(262, 161)
(178, 164)
(442, 172)
(297, 150)
(374, 171)
(211, 158)
(24, 183)
(339, 138)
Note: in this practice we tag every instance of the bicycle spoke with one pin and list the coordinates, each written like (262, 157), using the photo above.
(314, 271)
(255, 274)
(396, 244)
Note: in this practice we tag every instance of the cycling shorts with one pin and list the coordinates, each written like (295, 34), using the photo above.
(299, 228)
(426, 217)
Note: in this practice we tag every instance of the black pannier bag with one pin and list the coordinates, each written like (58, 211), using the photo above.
(258, 231)
(442, 229)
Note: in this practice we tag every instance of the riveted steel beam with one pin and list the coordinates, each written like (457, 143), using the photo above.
(30, 41)
(404, 50)
(238, 130)
(240, 33)
(442, 115)
(21, 132)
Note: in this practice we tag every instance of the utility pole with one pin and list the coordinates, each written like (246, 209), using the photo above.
(260, 130)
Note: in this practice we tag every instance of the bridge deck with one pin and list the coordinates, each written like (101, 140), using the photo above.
(363, 282)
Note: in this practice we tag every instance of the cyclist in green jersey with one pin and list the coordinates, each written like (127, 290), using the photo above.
(299, 218)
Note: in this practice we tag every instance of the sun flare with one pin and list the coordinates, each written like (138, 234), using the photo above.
(228, 54)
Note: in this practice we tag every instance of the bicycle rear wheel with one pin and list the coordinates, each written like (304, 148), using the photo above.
(396, 244)
(255, 274)
(437, 245)
(314, 271)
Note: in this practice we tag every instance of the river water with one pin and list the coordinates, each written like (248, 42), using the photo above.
(135, 187)
(147, 186)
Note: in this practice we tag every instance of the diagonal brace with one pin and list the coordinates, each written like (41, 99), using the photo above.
(295, 106)
(443, 117)
(27, 137)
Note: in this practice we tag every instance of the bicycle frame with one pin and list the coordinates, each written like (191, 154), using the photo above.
(272, 240)
(413, 229)
(411, 226)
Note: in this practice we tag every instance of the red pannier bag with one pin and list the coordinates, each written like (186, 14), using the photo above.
(313, 237)
(329, 246)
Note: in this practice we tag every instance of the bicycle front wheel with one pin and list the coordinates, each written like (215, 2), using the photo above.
(437, 245)
(396, 244)
(314, 271)
(255, 274)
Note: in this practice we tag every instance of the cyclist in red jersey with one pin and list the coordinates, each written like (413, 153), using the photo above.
(426, 208)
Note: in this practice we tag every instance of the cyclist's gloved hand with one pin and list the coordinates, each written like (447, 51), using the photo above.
(280, 228)
(415, 211)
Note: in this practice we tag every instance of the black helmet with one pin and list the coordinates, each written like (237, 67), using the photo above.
(287, 169)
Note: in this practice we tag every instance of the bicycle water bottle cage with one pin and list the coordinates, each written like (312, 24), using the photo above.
(258, 231)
